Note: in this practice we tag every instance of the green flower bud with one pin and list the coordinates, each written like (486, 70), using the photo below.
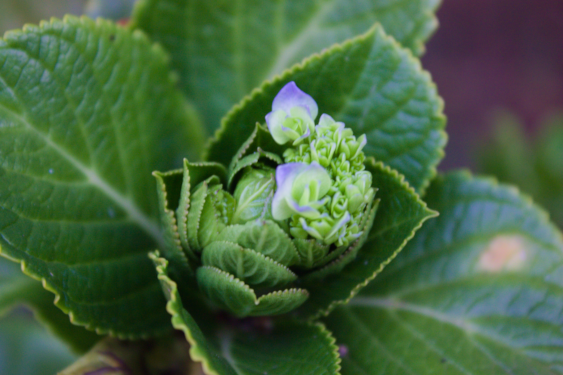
(301, 154)
(212, 208)
(292, 117)
(328, 128)
(334, 150)
(266, 222)
(295, 126)
(338, 205)
(351, 147)
(322, 151)
(216, 214)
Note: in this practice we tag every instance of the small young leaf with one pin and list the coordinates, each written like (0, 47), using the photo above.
(232, 294)
(371, 84)
(193, 175)
(477, 291)
(168, 187)
(224, 49)
(266, 237)
(249, 266)
(201, 334)
(310, 251)
(269, 347)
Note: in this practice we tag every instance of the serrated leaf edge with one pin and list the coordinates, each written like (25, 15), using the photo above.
(59, 302)
(323, 330)
(266, 258)
(195, 352)
(512, 190)
(283, 76)
(431, 213)
(172, 217)
(158, 53)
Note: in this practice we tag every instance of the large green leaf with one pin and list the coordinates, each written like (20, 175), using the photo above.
(479, 290)
(254, 347)
(399, 215)
(87, 111)
(26, 348)
(371, 84)
(223, 49)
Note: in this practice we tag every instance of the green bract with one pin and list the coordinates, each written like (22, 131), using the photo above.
(251, 232)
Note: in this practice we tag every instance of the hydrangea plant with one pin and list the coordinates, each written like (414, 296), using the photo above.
(311, 234)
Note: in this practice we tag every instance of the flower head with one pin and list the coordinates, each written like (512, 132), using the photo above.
(323, 188)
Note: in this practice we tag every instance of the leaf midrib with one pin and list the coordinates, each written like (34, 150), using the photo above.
(132, 210)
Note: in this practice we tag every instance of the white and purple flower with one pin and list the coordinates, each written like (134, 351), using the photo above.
(293, 115)
(301, 189)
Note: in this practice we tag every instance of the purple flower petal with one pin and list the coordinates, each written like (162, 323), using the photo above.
(285, 171)
(285, 174)
(306, 211)
(291, 96)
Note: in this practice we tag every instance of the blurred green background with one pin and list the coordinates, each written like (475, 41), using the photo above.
(15, 13)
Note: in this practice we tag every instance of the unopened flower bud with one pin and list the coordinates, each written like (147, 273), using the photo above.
(293, 115)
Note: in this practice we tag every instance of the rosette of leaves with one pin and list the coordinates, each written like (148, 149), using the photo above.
(295, 204)
(89, 110)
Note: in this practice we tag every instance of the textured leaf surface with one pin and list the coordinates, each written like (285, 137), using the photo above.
(279, 349)
(286, 348)
(224, 49)
(371, 84)
(235, 296)
(266, 237)
(247, 265)
(399, 214)
(87, 112)
(479, 290)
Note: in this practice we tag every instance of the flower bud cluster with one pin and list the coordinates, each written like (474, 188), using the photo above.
(343, 187)
(292, 206)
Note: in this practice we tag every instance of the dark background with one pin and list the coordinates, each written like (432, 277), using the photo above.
(493, 54)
